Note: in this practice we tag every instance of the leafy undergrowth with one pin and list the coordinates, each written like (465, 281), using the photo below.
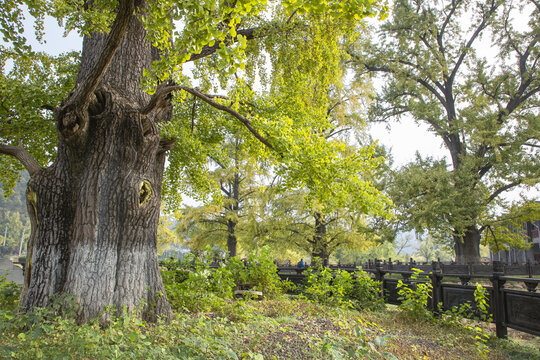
(283, 328)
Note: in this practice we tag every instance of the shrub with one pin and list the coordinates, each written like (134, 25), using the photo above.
(193, 286)
(366, 292)
(342, 288)
(9, 294)
(414, 296)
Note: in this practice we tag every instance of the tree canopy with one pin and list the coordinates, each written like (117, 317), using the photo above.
(484, 108)
(258, 69)
(268, 66)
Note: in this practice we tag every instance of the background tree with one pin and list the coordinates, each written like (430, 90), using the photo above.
(166, 236)
(485, 111)
(293, 223)
(507, 230)
(431, 248)
(96, 174)
(230, 220)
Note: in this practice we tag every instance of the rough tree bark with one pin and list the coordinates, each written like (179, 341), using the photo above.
(467, 247)
(320, 244)
(95, 211)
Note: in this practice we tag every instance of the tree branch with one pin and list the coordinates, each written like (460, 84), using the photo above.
(501, 190)
(440, 35)
(207, 99)
(23, 156)
(422, 82)
(83, 93)
(209, 50)
(471, 40)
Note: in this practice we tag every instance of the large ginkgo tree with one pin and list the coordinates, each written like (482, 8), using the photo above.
(94, 132)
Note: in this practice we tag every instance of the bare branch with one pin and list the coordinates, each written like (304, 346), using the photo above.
(422, 82)
(23, 156)
(440, 35)
(471, 40)
(335, 132)
(335, 237)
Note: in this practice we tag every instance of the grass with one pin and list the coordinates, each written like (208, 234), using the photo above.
(284, 328)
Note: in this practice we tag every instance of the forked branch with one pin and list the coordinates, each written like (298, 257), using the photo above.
(83, 93)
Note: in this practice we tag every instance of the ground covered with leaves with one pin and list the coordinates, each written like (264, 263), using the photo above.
(333, 315)
(283, 328)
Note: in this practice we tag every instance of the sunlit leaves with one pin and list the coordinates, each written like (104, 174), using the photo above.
(29, 87)
(434, 57)
(273, 62)
(349, 10)
(508, 230)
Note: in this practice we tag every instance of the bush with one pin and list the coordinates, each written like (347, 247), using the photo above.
(192, 285)
(342, 288)
(367, 292)
(9, 294)
(414, 296)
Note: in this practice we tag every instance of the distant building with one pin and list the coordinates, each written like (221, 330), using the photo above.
(515, 256)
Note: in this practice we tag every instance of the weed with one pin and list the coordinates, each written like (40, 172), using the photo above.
(415, 295)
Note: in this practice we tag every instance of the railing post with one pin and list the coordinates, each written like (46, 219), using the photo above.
(436, 283)
(498, 299)
(379, 274)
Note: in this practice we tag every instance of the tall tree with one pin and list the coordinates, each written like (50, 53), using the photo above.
(229, 220)
(96, 176)
(291, 222)
(485, 110)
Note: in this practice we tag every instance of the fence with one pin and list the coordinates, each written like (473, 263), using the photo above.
(509, 307)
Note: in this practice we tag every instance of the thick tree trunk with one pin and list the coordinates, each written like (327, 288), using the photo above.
(320, 244)
(95, 211)
(467, 248)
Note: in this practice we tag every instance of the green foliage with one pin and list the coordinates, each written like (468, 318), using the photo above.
(191, 284)
(124, 337)
(482, 307)
(30, 83)
(232, 215)
(415, 295)
(480, 312)
(280, 328)
(297, 70)
(262, 271)
(294, 47)
(361, 346)
(342, 288)
(507, 230)
(165, 235)
(483, 110)
(9, 294)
